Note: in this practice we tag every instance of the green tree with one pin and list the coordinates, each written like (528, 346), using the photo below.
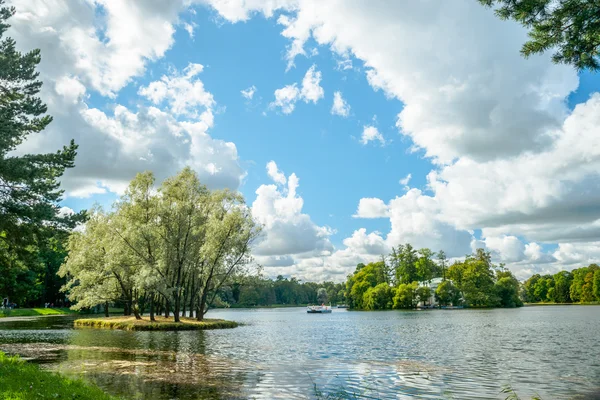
(530, 287)
(597, 284)
(560, 292)
(507, 289)
(29, 184)
(404, 260)
(322, 296)
(476, 279)
(442, 263)
(569, 27)
(378, 297)
(365, 278)
(426, 268)
(447, 294)
(405, 296)
(423, 294)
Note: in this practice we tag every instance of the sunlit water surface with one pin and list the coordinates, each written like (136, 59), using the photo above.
(282, 353)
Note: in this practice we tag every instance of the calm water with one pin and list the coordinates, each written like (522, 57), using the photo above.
(453, 354)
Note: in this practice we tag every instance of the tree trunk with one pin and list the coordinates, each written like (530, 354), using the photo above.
(202, 307)
(106, 309)
(167, 307)
(136, 310)
(152, 309)
(192, 298)
(177, 306)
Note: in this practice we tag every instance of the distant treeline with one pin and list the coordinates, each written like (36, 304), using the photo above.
(260, 291)
(400, 280)
(580, 285)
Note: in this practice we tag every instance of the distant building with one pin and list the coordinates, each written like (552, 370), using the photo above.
(432, 285)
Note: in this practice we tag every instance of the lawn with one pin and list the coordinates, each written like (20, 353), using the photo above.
(22, 381)
(161, 324)
(33, 312)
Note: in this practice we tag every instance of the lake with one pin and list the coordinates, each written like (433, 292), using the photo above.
(281, 353)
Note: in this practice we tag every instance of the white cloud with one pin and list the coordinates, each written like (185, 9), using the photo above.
(287, 231)
(311, 91)
(311, 86)
(249, 92)
(371, 208)
(371, 133)
(104, 43)
(184, 93)
(189, 28)
(286, 98)
(404, 181)
(340, 106)
(275, 174)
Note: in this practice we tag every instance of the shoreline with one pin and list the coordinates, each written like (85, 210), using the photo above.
(130, 323)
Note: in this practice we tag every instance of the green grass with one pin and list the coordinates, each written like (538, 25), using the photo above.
(34, 312)
(161, 324)
(22, 381)
(551, 303)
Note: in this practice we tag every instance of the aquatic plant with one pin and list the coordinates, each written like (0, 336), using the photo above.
(23, 381)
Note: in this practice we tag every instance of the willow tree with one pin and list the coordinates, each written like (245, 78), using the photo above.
(90, 280)
(174, 245)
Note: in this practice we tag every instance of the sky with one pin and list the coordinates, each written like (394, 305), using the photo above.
(350, 126)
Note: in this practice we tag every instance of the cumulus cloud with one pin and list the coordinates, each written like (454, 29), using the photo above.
(371, 208)
(249, 92)
(371, 134)
(106, 55)
(340, 106)
(118, 141)
(287, 231)
(274, 173)
(181, 92)
(310, 91)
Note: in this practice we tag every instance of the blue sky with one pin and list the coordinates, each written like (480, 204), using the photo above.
(493, 143)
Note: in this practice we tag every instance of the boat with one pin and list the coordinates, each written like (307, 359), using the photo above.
(342, 306)
(318, 309)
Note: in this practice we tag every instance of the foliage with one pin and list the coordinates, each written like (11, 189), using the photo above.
(322, 295)
(379, 297)
(570, 27)
(257, 291)
(448, 294)
(174, 247)
(507, 289)
(476, 282)
(366, 277)
(160, 324)
(29, 183)
(405, 295)
(22, 381)
(580, 285)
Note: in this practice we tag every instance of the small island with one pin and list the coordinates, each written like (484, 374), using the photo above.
(131, 323)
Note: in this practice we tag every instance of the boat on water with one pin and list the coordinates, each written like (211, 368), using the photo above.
(342, 306)
(318, 309)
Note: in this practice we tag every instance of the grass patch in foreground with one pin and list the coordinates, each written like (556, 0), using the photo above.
(34, 312)
(161, 324)
(22, 381)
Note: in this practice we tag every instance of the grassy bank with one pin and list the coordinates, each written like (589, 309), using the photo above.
(161, 324)
(593, 303)
(22, 381)
(34, 312)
